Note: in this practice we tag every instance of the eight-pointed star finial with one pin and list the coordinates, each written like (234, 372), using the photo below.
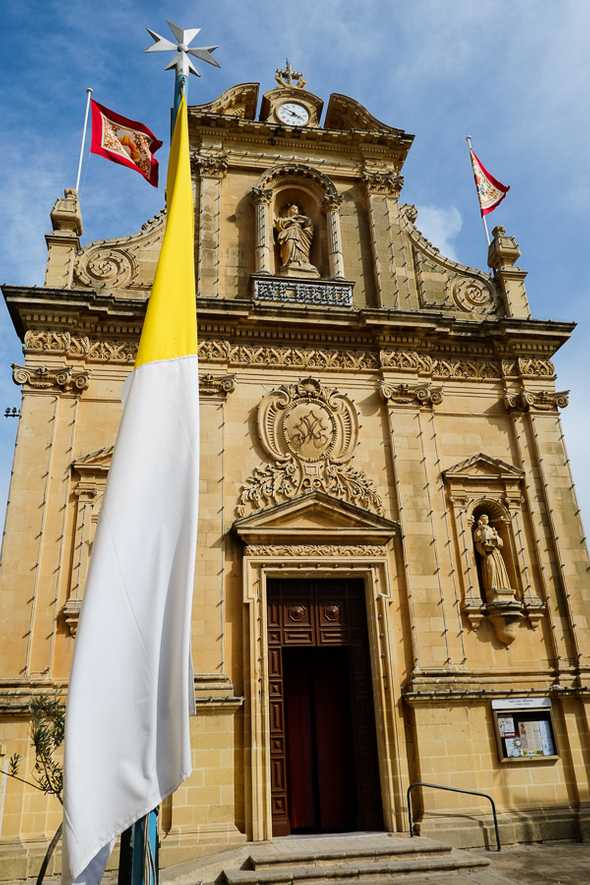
(184, 36)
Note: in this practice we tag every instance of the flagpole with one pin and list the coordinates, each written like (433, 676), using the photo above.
(483, 218)
(139, 862)
(88, 94)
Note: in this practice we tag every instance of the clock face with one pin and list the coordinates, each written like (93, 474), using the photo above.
(293, 114)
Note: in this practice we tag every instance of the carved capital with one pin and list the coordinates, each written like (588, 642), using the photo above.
(536, 401)
(332, 202)
(43, 378)
(411, 394)
(386, 184)
(209, 166)
(261, 195)
(216, 385)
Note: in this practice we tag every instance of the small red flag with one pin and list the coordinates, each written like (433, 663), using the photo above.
(124, 141)
(490, 191)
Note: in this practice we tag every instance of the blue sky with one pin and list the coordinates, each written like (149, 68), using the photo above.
(514, 76)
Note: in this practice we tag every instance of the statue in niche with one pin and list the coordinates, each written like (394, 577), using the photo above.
(488, 543)
(294, 236)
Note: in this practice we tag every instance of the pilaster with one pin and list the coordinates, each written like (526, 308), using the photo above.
(382, 188)
(211, 169)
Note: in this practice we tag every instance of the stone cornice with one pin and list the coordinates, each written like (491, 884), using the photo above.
(391, 143)
(90, 326)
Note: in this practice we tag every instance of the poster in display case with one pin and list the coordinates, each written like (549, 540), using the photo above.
(524, 729)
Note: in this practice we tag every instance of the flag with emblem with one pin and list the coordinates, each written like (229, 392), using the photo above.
(124, 141)
(127, 741)
(490, 191)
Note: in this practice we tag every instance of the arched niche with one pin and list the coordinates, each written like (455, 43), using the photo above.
(316, 194)
(499, 519)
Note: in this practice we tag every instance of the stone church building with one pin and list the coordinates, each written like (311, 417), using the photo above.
(392, 579)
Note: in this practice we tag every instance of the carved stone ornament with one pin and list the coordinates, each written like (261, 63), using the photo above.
(209, 165)
(411, 394)
(297, 355)
(216, 385)
(310, 432)
(386, 184)
(42, 378)
(121, 263)
(444, 284)
(314, 550)
(539, 401)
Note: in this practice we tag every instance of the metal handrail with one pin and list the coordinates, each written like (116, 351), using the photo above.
(451, 790)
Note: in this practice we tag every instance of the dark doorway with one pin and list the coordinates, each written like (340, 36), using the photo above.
(324, 764)
(319, 729)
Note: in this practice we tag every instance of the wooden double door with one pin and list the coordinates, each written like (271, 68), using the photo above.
(324, 765)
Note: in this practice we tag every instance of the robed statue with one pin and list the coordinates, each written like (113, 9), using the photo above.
(294, 236)
(488, 544)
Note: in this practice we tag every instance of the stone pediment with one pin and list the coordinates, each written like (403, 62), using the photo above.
(97, 462)
(316, 517)
(123, 263)
(482, 466)
(238, 101)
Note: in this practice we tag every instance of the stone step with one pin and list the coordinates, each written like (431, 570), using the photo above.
(368, 851)
(362, 872)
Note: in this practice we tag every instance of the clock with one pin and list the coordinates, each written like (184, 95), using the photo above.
(291, 113)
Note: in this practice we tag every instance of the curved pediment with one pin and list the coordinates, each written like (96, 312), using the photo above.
(127, 263)
(238, 101)
(315, 516)
(347, 113)
(447, 285)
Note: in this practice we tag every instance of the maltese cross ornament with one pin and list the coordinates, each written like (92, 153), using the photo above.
(182, 62)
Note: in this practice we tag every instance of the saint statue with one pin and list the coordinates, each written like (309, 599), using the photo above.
(294, 235)
(488, 544)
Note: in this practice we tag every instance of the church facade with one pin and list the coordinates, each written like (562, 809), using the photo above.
(392, 578)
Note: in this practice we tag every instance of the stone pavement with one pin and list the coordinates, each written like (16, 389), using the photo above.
(547, 863)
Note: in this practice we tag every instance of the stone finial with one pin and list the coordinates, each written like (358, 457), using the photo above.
(66, 214)
(64, 240)
(503, 252)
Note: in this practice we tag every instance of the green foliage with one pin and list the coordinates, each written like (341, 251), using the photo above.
(47, 735)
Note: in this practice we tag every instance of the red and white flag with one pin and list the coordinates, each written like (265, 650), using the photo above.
(490, 191)
(124, 141)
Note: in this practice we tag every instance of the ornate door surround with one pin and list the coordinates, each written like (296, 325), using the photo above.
(317, 536)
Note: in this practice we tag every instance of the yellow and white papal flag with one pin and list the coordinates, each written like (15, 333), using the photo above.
(127, 742)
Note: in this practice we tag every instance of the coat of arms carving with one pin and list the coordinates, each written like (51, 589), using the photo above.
(310, 431)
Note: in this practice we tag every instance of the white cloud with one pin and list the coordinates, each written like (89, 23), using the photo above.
(440, 226)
